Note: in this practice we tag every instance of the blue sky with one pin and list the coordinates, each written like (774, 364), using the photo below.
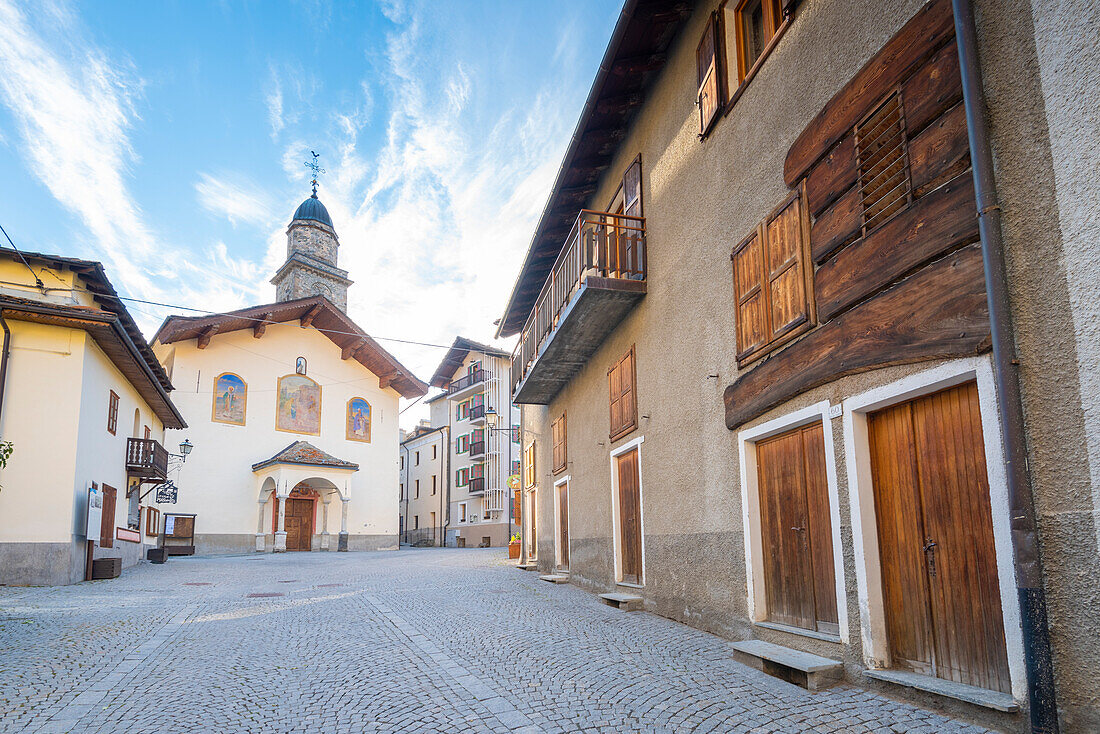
(167, 139)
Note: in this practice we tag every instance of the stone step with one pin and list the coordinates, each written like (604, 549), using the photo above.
(529, 566)
(949, 688)
(626, 602)
(555, 578)
(812, 672)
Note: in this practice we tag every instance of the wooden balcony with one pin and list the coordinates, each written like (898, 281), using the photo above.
(597, 279)
(146, 458)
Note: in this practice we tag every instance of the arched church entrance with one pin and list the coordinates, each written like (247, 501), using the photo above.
(301, 517)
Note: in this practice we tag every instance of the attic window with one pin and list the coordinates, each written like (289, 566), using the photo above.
(882, 155)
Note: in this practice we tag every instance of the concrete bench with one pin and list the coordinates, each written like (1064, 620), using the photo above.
(626, 602)
(805, 669)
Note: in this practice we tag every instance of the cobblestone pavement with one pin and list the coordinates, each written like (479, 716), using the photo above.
(414, 640)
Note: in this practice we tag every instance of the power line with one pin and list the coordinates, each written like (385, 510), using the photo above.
(37, 280)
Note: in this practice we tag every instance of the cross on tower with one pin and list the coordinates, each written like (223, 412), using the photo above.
(317, 170)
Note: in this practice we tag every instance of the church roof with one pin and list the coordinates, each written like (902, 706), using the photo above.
(315, 311)
(312, 208)
(303, 452)
(454, 357)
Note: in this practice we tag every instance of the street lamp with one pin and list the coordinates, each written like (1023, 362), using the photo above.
(185, 448)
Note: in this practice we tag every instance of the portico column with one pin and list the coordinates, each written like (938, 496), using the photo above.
(324, 526)
(260, 534)
(280, 530)
(343, 542)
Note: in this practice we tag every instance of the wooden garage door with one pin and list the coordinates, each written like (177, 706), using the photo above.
(935, 531)
(630, 518)
(799, 581)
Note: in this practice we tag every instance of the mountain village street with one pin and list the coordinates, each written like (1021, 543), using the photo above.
(414, 640)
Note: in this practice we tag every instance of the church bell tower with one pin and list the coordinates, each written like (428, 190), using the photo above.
(311, 255)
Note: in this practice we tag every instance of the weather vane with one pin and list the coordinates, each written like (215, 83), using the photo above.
(317, 170)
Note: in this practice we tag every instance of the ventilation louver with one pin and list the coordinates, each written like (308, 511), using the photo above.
(882, 156)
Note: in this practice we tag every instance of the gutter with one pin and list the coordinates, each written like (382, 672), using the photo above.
(629, 8)
(1043, 707)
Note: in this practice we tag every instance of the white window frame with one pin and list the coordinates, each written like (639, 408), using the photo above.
(616, 536)
(464, 512)
(747, 440)
(876, 652)
(557, 519)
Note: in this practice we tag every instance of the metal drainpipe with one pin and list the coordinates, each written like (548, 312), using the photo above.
(405, 490)
(445, 461)
(1025, 538)
(4, 360)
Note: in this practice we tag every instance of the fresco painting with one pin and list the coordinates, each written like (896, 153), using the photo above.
(358, 428)
(299, 406)
(230, 397)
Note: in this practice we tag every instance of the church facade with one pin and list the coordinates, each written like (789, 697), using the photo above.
(293, 412)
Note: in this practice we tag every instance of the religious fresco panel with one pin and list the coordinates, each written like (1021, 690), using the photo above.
(230, 399)
(358, 423)
(299, 405)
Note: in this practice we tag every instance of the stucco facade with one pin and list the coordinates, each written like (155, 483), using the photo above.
(701, 197)
(424, 486)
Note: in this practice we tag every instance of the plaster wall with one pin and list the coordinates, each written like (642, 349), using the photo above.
(700, 198)
(217, 482)
(421, 505)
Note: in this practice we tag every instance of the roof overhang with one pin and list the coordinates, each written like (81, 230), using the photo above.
(456, 355)
(322, 315)
(635, 56)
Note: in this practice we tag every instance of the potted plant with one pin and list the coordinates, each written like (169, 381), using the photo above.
(513, 546)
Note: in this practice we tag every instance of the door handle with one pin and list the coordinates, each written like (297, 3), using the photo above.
(799, 530)
(930, 555)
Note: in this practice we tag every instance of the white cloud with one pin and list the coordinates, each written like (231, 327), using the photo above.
(238, 200)
(274, 100)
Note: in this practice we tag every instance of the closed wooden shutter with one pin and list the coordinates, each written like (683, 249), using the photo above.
(558, 430)
(529, 465)
(771, 280)
(706, 62)
(107, 522)
(632, 189)
(623, 399)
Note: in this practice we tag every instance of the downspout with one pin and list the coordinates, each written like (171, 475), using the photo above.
(4, 360)
(1025, 538)
(405, 491)
(445, 513)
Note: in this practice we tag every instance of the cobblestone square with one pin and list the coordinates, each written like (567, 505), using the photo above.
(414, 640)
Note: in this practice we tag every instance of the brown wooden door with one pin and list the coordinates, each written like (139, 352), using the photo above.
(563, 526)
(630, 518)
(107, 520)
(299, 524)
(799, 582)
(533, 541)
(935, 528)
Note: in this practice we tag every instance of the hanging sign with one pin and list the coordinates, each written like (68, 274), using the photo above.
(167, 493)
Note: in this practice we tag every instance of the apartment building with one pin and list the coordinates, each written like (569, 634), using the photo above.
(424, 488)
(807, 350)
(483, 456)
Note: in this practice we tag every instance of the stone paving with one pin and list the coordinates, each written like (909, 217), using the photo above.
(409, 641)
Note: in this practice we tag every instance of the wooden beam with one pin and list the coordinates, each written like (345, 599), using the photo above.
(311, 314)
(939, 311)
(619, 103)
(352, 348)
(260, 326)
(638, 64)
(204, 336)
(386, 380)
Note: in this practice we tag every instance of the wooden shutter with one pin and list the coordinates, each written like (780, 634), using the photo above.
(706, 63)
(529, 466)
(107, 522)
(622, 395)
(771, 280)
(632, 189)
(112, 414)
(558, 430)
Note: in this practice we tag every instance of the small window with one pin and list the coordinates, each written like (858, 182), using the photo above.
(152, 521)
(462, 477)
(515, 434)
(623, 396)
(772, 281)
(749, 27)
(709, 98)
(112, 416)
(529, 465)
(434, 481)
(416, 522)
(402, 463)
(417, 462)
(462, 512)
(557, 429)
(401, 489)
(435, 451)
(147, 433)
(417, 488)
(133, 508)
(515, 467)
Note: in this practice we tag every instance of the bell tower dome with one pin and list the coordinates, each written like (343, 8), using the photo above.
(311, 258)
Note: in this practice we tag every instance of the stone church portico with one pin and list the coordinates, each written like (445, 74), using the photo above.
(300, 483)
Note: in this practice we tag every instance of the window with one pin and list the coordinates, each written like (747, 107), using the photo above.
(462, 444)
(152, 521)
(473, 367)
(529, 465)
(772, 281)
(133, 508)
(417, 489)
(417, 462)
(112, 419)
(557, 429)
(708, 97)
(107, 522)
(515, 434)
(434, 481)
(147, 432)
(623, 397)
(515, 466)
(462, 512)
(882, 153)
(435, 452)
(749, 29)
(462, 410)
(462, 477)
(416, 522)
(401, 488)
(402, 463)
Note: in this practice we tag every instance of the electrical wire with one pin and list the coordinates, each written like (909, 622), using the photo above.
(37, 280)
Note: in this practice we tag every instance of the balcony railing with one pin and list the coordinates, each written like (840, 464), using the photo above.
(477, 414)
(496, 500)
(145, 457)
(477, 448)
(469, 380)
(476, 485)
(601, 245)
